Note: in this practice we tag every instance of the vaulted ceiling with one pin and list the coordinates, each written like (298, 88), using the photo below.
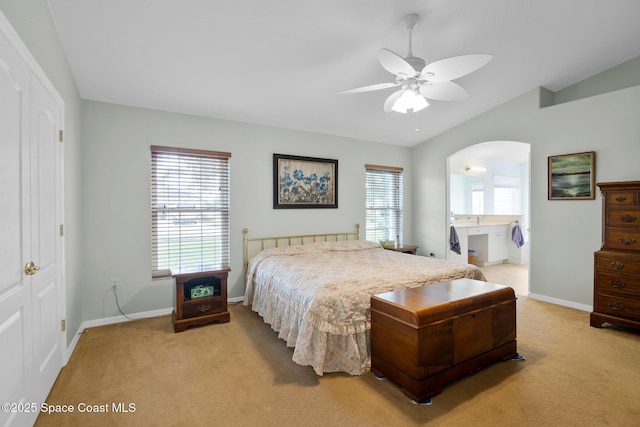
(282, 62)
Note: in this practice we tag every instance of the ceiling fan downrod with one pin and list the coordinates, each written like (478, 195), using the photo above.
(409, 23)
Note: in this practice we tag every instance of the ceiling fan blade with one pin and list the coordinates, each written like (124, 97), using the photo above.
(391, 99)
(394, 63)
(443, 91)
(369, 88)
(455, 67)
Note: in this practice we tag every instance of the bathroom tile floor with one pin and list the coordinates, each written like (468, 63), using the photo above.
(514, 275)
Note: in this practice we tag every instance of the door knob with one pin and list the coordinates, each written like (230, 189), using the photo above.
(30, 268)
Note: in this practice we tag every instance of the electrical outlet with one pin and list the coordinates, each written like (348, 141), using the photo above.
(114, 284)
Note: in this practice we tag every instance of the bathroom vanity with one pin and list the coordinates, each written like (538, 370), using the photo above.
(491, 241)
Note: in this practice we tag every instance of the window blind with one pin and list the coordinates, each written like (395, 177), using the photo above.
(189, 210)
(384, 204)
(506, 195)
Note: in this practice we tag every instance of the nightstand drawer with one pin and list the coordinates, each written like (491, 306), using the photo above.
(202, 306)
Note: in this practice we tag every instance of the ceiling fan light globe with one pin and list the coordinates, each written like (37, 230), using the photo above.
(409, 100)
(404, 102)
(399, 106)
(420, 103)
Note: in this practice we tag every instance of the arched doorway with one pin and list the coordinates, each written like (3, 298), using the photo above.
(487, 196)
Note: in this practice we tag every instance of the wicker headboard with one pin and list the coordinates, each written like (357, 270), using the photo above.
(254, 245)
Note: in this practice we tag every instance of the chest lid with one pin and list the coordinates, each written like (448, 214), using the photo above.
(430, 303)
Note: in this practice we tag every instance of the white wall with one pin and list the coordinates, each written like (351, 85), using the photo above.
(619, 77)
(33, 22)
(116, 193)
(564, 234)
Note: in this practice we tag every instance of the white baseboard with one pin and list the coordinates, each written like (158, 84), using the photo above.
(561, 302)
(111, 320)
(119, 319)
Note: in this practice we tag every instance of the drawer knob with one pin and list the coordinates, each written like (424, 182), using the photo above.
(627, 240)
(617, 283)
(617, 265)
(620, 199)
(204, 308)
(616, 306)
(628, 218)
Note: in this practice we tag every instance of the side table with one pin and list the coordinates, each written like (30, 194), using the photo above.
(406, 249)
(201, 298)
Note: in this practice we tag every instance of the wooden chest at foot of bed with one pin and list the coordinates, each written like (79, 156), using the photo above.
(423, 338)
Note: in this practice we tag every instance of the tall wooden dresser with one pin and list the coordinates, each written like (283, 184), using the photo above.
(616, 295)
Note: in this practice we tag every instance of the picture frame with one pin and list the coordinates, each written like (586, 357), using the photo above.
(304, 182)
(572, 176)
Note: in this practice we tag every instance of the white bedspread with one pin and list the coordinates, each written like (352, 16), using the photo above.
(317, 296)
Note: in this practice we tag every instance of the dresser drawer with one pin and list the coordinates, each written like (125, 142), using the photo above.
(614, 262)
(629, 217)
(618, 306)
(620, 238)
(618, 283)
(620, 198)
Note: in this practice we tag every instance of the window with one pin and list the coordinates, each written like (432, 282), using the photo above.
(506, 195)
(189, 210)
(477, 198)
(384, 204)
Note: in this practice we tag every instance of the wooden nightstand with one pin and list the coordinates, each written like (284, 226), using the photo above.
(407, 249)
(201, 298)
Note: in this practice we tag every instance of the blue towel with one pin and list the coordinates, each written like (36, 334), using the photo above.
(516, 236)
(454, 243)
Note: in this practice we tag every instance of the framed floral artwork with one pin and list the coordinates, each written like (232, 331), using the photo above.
(572, 176)
(304, 182)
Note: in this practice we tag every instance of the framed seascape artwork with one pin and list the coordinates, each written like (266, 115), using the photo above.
(572, 176)
(304, 182)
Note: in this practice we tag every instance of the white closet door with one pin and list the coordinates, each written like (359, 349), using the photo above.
(15, 294)
(31, 300)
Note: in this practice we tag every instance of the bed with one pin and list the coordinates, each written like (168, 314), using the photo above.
(315, 291)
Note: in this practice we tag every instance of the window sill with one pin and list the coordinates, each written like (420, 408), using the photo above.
(161, 274)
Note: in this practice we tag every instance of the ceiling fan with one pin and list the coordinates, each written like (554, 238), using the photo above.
(419, 80)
